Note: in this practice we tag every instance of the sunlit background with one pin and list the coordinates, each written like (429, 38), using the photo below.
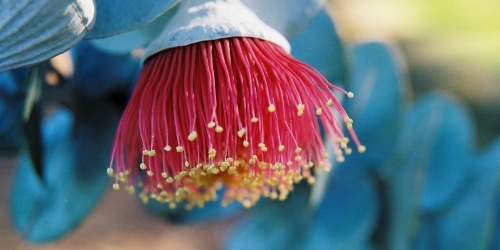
(452, 45)
(447, 44)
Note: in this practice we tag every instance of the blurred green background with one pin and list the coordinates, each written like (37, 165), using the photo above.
(447, 44)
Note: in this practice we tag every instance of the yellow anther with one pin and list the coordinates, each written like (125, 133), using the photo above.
(169, 180)
(298, 158)
(348, 151)
(325, 156)
(219, 129)
(301, 107)
(152, 153)
(164, 175)
(247, 204)
(242, 132)
(271, 108)
(289, 163)
(298, 150)
(192, 136)
(264, 149)
(142, 166)
(349, 125)
(283, 196)
(261, 144)
(254, 119)
(345, 139)
(211, 125)
(350, 95)
(281, 148)
(236, 163)
(274, 195)
(361, 148)
(131, 190)
(183, 173)
(311, 180)
(186, 163)
(348, 120)
(329, 102)
(150, 173)
(116, 186)
(245, 143)
(319, 111)
(212, 151)
(179, 148)
(214, 171)
(159, 186)
(145, 152)
(262, 165)
(340, 158)
(110, 172)
(252, 161)
(167, 148)
(281, 166)
(192, 173)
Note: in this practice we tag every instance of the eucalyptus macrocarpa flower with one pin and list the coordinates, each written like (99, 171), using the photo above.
(220, 103)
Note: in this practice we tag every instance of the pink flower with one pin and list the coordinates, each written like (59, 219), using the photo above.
(238, 113)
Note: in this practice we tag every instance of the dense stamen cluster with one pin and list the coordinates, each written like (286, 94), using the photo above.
(237, 113)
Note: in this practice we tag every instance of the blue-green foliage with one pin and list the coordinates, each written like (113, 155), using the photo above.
(46, 207)
(11, 109)
(75, 146)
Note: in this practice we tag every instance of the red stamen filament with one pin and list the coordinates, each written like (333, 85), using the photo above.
(238, 112)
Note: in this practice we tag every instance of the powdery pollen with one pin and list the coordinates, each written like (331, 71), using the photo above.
(241, 113)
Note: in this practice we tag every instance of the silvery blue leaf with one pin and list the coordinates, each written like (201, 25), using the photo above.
(126, 42)
(119, 16)
(34, 31)
(469, 224)
(430, 160)
(349, 212)
(319, 46)
(74, 178)
(379, 85)
(201, 20)
(449, 131)
(403, 181)
(287, 17)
